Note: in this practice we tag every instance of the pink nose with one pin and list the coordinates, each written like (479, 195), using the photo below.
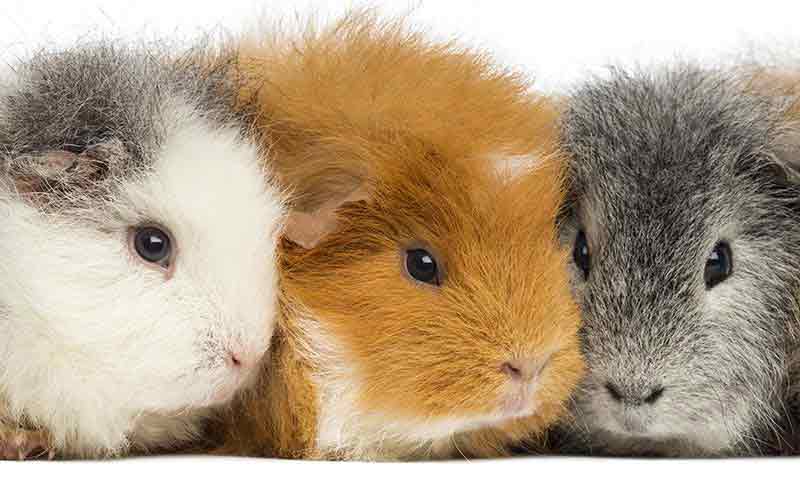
(524, 369)
(237, 360)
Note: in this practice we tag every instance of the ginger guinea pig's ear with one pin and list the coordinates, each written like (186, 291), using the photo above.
(307, 229)
(51, 171)
(783, 85)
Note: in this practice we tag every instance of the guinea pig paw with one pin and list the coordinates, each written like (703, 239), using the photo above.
(22, 444)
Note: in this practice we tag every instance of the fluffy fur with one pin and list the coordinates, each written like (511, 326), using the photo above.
(782, 81)
(100, 350)
(367, 363)
(664, 165)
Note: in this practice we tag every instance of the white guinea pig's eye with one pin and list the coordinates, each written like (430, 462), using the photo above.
(719, 265)
(153, 245)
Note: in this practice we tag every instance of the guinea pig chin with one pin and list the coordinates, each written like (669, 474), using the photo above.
(231, 379)
(234, 367)
(519, 393)
(516, 397)
(642, 427)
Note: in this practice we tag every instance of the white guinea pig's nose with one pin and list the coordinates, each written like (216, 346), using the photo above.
(233, 360)
(238, 359)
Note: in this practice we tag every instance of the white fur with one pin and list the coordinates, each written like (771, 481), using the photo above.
(99, 348)
(514, 165)
(345, 429)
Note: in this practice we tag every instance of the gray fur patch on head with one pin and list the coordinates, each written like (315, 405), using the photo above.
(115, 100)
(664, 165)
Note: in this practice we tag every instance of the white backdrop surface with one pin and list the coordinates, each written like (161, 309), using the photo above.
(560, 41)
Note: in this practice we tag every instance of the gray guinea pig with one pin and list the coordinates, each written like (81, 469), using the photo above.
(683, 221)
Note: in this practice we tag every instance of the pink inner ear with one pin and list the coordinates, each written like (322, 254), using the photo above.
(358, 194)
(43, 167)
(63, 167)
(307, 229)
(52, 165)
(58, 161)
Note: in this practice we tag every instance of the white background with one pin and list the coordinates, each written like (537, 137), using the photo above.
(560, 42)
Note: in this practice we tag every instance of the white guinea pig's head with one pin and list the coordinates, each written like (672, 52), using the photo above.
(136, 286)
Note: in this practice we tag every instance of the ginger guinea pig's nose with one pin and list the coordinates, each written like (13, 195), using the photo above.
(524, 369)
(519, 394)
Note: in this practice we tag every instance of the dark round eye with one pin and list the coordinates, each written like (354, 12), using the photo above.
(719, 265)
(153, 245)
(421, 266)
(580, 254)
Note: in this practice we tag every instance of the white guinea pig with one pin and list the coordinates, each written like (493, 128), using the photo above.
(137, 235)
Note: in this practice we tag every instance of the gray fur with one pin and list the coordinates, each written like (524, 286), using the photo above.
(664, 165)
(109, 97)
(76, 124)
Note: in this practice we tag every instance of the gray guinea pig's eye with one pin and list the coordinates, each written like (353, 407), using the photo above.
(153, 245)
(581, 255)
(719, 265)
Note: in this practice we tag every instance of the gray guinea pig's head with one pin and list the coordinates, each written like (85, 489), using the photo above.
(683, 221)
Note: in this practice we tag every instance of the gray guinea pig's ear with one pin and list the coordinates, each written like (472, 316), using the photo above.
(786, 149)
(786, 157)
(788, 160)
(51, 171)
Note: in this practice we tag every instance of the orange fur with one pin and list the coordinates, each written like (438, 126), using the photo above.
(783, 83)
(771, 81)
(420, 127)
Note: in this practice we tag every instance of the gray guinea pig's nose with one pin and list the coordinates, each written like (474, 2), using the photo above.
(633, 397)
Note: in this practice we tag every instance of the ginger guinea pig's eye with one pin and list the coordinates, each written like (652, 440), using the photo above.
(581, 255)
(153, 245)
(422, 266)
(719, 265)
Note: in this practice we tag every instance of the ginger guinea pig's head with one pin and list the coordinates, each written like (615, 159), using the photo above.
(438, 302)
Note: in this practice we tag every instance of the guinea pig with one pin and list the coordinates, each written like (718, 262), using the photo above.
(782, 81)
(425, 304)
(682, 218)
(138, 233)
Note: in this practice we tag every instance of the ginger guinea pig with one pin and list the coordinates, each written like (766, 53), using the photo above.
(683, 224)
(425, 305)
(137, 234)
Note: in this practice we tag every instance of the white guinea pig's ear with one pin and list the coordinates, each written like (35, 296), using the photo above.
(307, 229)
(52, 170)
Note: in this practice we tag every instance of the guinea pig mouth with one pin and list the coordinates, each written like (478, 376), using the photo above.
(520, 400)
(235, 376)
(524, 377)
